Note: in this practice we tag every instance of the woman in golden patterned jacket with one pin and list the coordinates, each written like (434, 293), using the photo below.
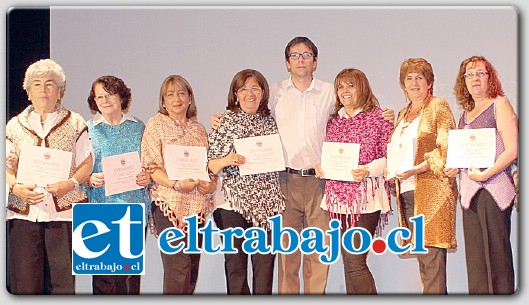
(173, 200)
(425, 189)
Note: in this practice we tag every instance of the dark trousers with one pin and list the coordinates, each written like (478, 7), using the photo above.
(487, 232)
(39, 257)
(117, 284)
(236, 265)
(358, 277)
(432, 265)
(180, 269)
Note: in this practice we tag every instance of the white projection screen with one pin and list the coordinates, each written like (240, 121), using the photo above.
(208, 45)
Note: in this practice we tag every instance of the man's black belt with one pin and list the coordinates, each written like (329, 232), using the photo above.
(302, 172)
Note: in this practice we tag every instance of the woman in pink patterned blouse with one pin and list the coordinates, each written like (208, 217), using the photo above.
(365, 200)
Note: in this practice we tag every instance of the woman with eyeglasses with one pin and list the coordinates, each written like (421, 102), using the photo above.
(113, 132)
(365, 201)
(487, 195)
(173, 200)
(248, 200)
(425, 189)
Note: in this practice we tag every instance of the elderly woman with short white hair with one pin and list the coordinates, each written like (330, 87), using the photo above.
(39, 218)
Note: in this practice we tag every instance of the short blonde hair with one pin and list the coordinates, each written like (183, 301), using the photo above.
(416, 65)
(43, 67)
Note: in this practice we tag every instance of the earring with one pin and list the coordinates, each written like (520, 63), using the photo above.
(236, 102)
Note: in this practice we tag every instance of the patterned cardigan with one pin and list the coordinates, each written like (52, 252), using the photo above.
(435, 193)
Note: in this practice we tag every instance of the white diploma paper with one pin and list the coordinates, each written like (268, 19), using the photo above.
(183, 162)
(339, 159)
(120, 172)
(40, 165)
(469, 148)
(263, 154)
(400, 157)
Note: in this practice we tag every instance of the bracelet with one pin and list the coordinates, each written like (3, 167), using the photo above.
(11, 186)
(176, 185)
(75, 183)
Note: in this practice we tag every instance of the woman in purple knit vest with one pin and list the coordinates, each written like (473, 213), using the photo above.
(487, 195)
(365, 200)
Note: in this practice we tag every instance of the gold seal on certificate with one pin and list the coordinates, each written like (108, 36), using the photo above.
(120, 172)
(263, 154)
(471, 148)
(41, 165)
(183, 162)
(339, 159)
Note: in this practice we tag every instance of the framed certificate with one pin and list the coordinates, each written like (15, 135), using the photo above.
(469, 148)
(41, 165)
(120, 172)
(263, 154)
(339, 159)
(183, 162)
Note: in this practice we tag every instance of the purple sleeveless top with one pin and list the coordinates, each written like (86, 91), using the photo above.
(501, 185)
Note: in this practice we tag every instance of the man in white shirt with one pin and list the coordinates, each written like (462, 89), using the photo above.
(302, 106)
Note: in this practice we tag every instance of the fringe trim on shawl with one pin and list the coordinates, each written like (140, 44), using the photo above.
(355, 205)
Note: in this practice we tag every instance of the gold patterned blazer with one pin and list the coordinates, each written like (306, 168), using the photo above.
(435, 193)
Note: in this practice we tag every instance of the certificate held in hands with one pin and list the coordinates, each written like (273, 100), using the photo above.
(120, 172)
(400, 157)
(339, 159)
(183, 162)
(263, 154)
(471, 148)
(41, 165)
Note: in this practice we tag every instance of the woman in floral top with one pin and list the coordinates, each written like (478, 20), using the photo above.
(176, 123)
(249, 200)
(365, 201)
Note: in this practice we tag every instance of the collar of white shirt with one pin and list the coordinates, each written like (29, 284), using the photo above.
(98, 118)
(314, 85)
(343, 114)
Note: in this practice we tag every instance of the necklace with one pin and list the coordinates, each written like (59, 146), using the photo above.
(185, 129)
(408, 122)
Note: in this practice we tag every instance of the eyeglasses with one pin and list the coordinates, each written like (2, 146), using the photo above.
(100, 98)
(479, 74)
(306, 55)
(254, 90)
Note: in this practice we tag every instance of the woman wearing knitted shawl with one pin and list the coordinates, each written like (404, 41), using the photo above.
(364, 201)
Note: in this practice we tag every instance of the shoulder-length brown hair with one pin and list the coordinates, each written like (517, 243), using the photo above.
(178, 81)
(366, 99)
(238, 82)
(463, 96)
